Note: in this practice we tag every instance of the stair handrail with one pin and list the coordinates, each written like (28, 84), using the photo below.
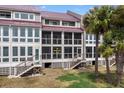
(25, 61)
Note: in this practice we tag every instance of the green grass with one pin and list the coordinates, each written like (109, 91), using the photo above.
(85, 80)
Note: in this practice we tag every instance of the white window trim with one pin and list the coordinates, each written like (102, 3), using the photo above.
(24, 19)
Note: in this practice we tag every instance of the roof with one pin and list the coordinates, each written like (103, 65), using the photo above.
(66, 29)
(20, 23)
(78, 16)
(58, 16)
(21, 8)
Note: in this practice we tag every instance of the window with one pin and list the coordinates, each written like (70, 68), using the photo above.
(30, 40)
(57, 52)
(95, 52)
(46, 52)
(5, 31)
(30, 51)
(67, 52)
(94, 37)
(22, 59)
(56, 37)
(4, 14)
(90, 36)
(22, 51)
(22, 31)
(31, 16)
(22, 39)
(15, 39)
(27, 16)
(37, 40)
(46, 37)
(15, 31)
(36, 54)
(77, 52)
(5, 51)
(67, 38)
(37, 32)
(30, 32)
(65, 23)
(87, 36)
(16, 15)
(5, 59)
(24, 16)
(88, 52)
(15, 51)
(77, 38)
(46, 21)
(5, 39)
(15, 59)
(52, 22)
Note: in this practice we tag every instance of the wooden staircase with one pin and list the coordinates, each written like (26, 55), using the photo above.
(112, 62)
(24, 68)
(77, 62)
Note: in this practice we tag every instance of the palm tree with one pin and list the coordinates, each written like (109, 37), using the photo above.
(96, 21)
(118, 38)
(106, 49)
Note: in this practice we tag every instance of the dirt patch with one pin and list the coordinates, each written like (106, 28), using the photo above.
(45, 81)
(48, 80)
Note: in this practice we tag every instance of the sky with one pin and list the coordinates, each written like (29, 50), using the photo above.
(80, 9)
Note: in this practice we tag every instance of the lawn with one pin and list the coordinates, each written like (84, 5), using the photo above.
(58, 78)
(85, 80)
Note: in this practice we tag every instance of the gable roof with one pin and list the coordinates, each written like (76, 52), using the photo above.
(21, 8)
(58, 16)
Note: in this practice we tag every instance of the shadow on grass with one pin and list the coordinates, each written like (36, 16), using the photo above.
(88, 80)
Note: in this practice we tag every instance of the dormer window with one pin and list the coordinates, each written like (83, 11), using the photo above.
(66, 23)
(31, 16)
(16, 15)
(52, 22)
(4, 14)
(24, 16)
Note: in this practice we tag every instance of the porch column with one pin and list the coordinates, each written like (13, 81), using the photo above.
(73, 45)
(51, 45)
(63, 49)
(84, 45)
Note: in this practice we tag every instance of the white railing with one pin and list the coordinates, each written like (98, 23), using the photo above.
(112, 62)
(76, 61)
(23, 66)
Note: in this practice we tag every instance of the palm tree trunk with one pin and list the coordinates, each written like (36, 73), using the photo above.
(96, 55)
(118, 73)
(108, 70)
(107, 65)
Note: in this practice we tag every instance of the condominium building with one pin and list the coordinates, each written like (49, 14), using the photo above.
(32, 38)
